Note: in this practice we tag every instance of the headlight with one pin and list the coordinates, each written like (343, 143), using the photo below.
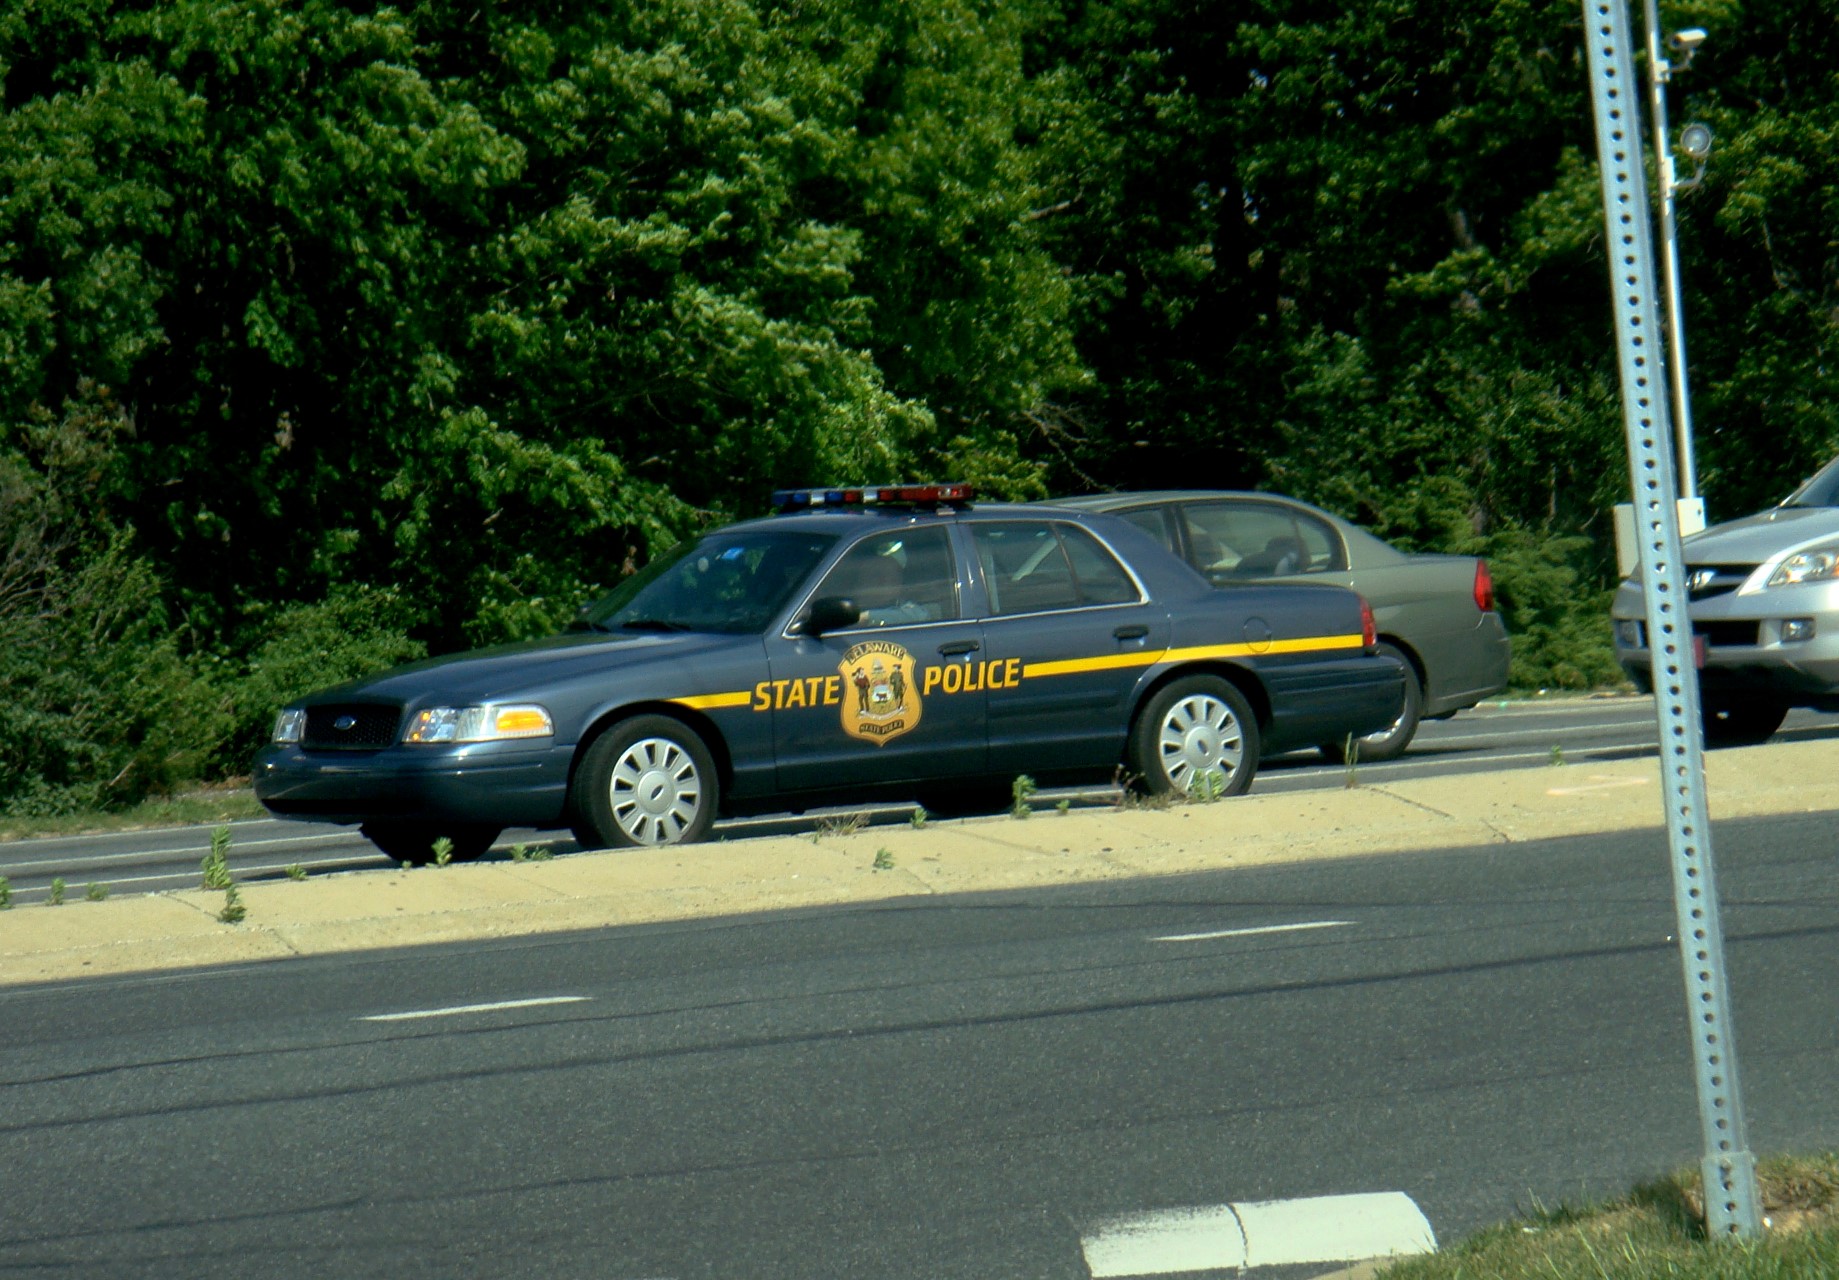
(480, 724)
(1820, 564)
(289, 726)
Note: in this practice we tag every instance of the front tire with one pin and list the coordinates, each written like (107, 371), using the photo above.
(648, 781)
(1388, 743)
(1190, 729)
(413, 842)
(1745, 723)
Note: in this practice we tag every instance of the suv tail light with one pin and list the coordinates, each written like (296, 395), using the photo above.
(1369, 630)
(1484, 587)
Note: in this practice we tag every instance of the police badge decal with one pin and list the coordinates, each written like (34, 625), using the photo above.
(880, 696)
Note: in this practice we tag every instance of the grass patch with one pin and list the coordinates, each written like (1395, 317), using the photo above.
(193, 808)
(1658, 1230)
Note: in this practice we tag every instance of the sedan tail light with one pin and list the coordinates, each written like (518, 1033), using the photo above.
(1369, 630)
(1484, 587)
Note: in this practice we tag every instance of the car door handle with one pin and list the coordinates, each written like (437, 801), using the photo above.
(957, 647)
(1131, 631)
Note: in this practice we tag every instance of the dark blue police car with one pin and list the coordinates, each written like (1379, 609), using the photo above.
(898, 642)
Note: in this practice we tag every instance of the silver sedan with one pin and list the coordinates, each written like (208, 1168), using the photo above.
(1435, 613)
(1763, 596)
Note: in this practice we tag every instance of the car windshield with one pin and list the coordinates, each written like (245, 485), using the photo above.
(729, 582)
(1821, 491)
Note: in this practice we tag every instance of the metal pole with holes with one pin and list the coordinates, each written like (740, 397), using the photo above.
(1729, 1168)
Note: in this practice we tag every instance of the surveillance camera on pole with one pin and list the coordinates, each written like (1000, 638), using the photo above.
(1686, 42)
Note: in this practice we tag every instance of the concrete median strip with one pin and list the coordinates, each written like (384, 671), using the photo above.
(358, 910)
(1265, 1233)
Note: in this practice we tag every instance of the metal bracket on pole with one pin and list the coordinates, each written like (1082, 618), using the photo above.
(1729, 1167)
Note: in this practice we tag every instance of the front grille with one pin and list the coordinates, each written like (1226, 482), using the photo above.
(1703, 581)
(1721, 635)
(357, 727)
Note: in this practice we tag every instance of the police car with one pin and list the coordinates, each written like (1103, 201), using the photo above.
(882, 643)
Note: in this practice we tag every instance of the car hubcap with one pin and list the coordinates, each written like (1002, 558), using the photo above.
(1200, 736)
(1380, 735)
(656, 791)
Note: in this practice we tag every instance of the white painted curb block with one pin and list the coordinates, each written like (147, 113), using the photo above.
(1259, 1233)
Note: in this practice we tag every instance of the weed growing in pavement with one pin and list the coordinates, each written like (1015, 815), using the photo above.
(918, 817)
(1129, 794)
(1130, 798)
(1557, 754)
(1064, 807)
(6, 894)
(57, 893)
(96, 892)
(443, 851)
(1209, 785)
(884, 859)
(540, 853)
(233, 908)
(216, 863)
(296, 872)
(1021, 791)
(1350, 751)
(841, 825)
(520, 852)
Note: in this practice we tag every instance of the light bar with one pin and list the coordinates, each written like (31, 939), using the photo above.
(874, 496)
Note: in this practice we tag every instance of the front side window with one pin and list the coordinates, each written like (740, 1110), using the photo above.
(1036, 567)
(735, 583)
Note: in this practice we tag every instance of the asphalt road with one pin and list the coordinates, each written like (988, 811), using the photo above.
(963, 1086)
(1496, 735)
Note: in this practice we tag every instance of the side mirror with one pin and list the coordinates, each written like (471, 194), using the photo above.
(829, 613)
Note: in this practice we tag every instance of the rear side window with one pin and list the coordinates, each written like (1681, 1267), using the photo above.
(1031, 567)
(1237, 540)
(1154, 521)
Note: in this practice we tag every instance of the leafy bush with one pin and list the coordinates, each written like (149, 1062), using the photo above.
(1559, 622)
(309, 646)
(98, 705)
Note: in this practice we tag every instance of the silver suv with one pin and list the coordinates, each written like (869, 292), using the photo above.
(1764, 603)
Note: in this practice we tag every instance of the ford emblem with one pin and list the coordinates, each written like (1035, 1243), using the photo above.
(344, 723)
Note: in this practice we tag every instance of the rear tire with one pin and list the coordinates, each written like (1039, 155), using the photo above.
(1741, 723)
(413, 842)
(1191, 728)
(648, 781)
(1389, 743)
(973, 799)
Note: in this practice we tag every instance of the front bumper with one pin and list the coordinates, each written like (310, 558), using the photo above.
(503, 784)
(1749, 642)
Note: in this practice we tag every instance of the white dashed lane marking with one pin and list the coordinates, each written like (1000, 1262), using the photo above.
(1258, 1233)
(1246, 933)
(457, 1009)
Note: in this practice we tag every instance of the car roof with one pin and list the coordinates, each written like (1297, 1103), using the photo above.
(1144, 497)
(843, 519)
